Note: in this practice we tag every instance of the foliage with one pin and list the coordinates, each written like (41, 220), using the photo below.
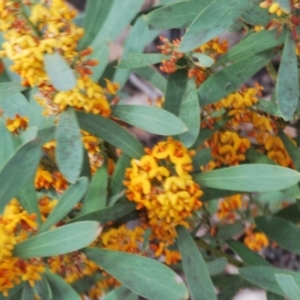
(87, 211)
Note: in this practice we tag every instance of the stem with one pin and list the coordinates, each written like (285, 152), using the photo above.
(219, 253)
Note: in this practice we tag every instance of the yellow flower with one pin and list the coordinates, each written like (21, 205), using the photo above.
(17, 124)
(160, 184)
(256, 241)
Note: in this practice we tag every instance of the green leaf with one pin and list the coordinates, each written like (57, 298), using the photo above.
(93, 20)
(204, 61)
(272, 296)
(256, 43)
(216, 266)
(280, 231)
(61, 290)
(214, 194)
(116, 185)
(139, 36)
(61, 240)
(194, 267)
(292, 149)
(14, 104)
(61, 75)
(178, 15)
(139, 60)
(67, 202)
(290, 213)
(289, 286)
(201, 158)
(176, 86)
(211, 22)
(109, 214)
(138, 273)
(265, 277)
(269, 107)
(249, 178)
(47, 134)
(8, 89)
(101, 54)
(117, 14)
(42, 288)
(229, 231)
(69, 149)
(7, 144)
(248, 256)
(287, 87)
(18, 170)
(232, 77)
(285, 5)
(96, 196)
(153, 77)
(111, 133)
(29, 201)
(27, 292)
(189, 113)
(256, 15)
(151, 119)
(121, 293)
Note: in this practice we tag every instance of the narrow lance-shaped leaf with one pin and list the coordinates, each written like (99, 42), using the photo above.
(189, 113)
(256, 43)
(289, 286)
(291, 148)
(8, 89)
(112, 133)
(194, 267)
(280, 231)
(116, 185)
(14, 104)
(153, 77)
(232, 77)
(247, 255)
(265, 277)
(121, 292)
(211, 22)
(176, 87)
(139, 36)
(61, 75)
(151, 119)
(96, 196)
(66, 203)
(138, 273)
(18, 170)
(60, 289)
(249, 178)
(101, 54)
(6, 145)
(29, 201)
(141, 60)
(69, 149)
(58, 241)
(117, 15)
(111, 213)
(95, 14)
(287, 87)
(178, 15)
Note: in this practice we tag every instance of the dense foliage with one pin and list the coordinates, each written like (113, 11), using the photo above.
(87, 210)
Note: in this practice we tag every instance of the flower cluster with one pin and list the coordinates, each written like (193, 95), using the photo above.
(256, 241)
(49, 28)
(17, 124)
(160, 183)
(16, 225)
(213, 48)
(228, 206)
